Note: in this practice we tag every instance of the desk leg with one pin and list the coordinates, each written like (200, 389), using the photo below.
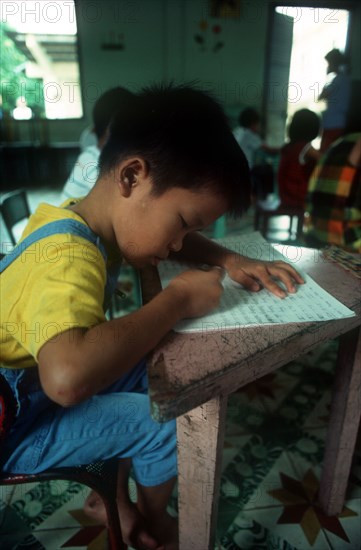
(343, 424)
(200, 435)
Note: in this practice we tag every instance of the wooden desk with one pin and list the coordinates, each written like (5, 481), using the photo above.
(191, 375)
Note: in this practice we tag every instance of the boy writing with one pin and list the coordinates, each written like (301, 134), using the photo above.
(171, 166)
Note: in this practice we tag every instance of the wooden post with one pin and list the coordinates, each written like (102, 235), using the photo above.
(200, 436)
(343, 424)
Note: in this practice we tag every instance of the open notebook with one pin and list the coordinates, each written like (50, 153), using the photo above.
(240, 307)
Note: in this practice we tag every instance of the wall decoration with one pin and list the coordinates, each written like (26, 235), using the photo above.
(225, 8)
(213, 44)
(112, 41)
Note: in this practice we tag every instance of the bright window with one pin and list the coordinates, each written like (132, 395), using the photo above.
(39, 66)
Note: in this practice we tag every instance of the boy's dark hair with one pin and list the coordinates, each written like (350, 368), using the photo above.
(304, 126)
(248, 117)
(106, 106)
(184, 137)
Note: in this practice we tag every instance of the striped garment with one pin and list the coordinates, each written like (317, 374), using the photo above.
(334, 198)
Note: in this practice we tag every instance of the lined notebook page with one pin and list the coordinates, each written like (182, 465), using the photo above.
(240, 307)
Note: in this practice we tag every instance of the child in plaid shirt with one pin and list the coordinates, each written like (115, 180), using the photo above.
(334, 196)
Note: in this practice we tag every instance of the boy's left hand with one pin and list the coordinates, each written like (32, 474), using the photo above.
(255, 274)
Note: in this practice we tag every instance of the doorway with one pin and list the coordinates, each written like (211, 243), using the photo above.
(299, 39)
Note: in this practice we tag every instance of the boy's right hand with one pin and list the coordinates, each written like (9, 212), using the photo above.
(200, 290)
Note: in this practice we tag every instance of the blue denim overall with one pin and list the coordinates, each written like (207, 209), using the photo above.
(115, 423)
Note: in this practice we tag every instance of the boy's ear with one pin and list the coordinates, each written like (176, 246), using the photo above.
(130, 174)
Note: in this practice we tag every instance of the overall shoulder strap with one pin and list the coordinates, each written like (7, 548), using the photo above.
(66, 225)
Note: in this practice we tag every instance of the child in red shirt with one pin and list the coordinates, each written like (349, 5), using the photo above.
(298, 158)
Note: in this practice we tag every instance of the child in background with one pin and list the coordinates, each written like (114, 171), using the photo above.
(298, 158)
(247, 133)
(170, 167)
(248, 138)
(85, 170)
(334, 196)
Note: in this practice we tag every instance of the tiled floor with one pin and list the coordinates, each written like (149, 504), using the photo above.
(271, 469)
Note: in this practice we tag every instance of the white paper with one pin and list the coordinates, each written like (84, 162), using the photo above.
(240, 307)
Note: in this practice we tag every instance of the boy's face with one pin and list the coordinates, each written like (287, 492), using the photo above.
(150, 227)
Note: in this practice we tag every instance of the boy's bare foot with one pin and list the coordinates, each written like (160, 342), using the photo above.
(166, 530)
(94, 508)
(133, 525)
(134, 528)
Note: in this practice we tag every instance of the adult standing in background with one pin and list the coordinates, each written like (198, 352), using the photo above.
(336, 93)
(85, 171)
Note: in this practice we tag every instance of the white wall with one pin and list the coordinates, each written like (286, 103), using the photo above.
(160, 46)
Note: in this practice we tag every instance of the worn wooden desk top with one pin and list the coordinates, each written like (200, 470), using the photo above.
(186, 370)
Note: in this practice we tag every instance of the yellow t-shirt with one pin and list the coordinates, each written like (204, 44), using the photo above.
(56, 284)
